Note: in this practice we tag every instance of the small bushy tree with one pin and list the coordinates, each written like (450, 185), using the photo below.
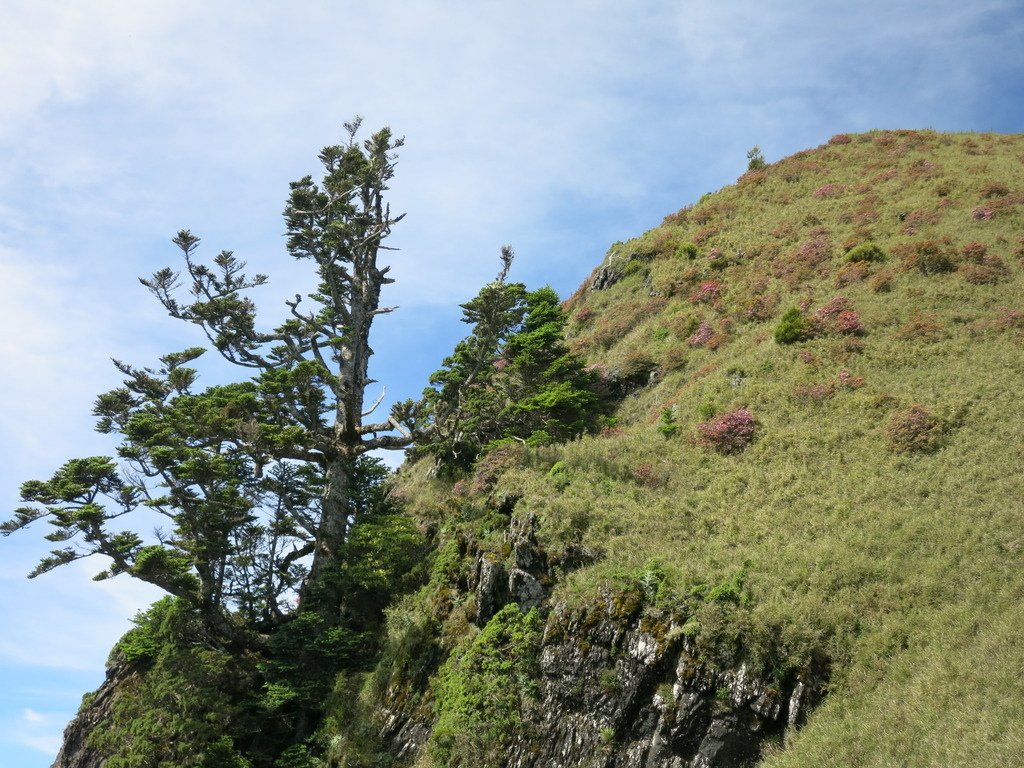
(512, 378)
(755, 159)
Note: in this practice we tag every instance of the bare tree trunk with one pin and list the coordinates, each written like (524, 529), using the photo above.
(322, 591)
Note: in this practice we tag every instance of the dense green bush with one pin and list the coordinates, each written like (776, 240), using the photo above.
(866, 252)
(792, 327)
(190, 702)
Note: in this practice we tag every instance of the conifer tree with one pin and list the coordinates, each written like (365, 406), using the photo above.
(199, 459)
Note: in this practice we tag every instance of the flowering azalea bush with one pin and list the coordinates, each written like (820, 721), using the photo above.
(838, 315)
(855, 272)
(583, 315)
(994, 189)
(848, 323)
(833, 308)
(727, 433)
(644, 474)
(828, 190)
(981, 213)
(707, 292)
(990, 270)
(1010, 318)
(848, 380)
(929, 257)
(814, 393)
(974, 251)
(806, 261)
(702, 335)
(762, 307)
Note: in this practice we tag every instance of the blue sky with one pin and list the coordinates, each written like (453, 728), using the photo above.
(556, 127)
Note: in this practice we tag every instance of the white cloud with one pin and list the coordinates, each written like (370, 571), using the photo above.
(52, 321)
(37, 731)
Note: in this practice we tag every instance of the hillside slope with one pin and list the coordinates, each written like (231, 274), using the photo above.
(813, 475)
(795, 541)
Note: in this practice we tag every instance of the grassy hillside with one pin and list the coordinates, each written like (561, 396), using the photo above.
(851, 472)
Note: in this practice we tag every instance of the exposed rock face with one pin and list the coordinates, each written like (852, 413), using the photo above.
(622, 688)
(520, 581)
(75, 752)
(621, 685)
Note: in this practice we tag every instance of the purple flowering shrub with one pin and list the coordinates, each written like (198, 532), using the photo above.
(807, 261)
(839, 316)
(814, 393)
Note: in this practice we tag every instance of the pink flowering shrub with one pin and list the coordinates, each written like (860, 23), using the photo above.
(981, 213)
(814, 393)
(807, 357)
(806, 261)
(974, 251)
(644, 474)
(583, 314)
(828, 190)
(707, 292)
(1010, 318)
(840, 138)
(494, 464)
(990, 270)
(856, 272)
(848, 323)
(833, 308)
(760, 308)
(994, 189)
(922, 325)
(702, 335)
(706, 233)
(848, 381)
(727, 433)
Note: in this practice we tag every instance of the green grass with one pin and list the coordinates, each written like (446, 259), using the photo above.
(905, 571)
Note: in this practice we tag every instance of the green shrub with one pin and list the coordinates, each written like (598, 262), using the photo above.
(866, 252)
(930, 257)
(188, 706)
(687, 251)
(480, 691)
(792, 327)
(755, 159)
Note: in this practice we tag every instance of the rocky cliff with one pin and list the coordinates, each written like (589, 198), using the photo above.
(617, 683)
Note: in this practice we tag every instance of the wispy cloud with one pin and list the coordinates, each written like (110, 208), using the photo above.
(39, 732)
